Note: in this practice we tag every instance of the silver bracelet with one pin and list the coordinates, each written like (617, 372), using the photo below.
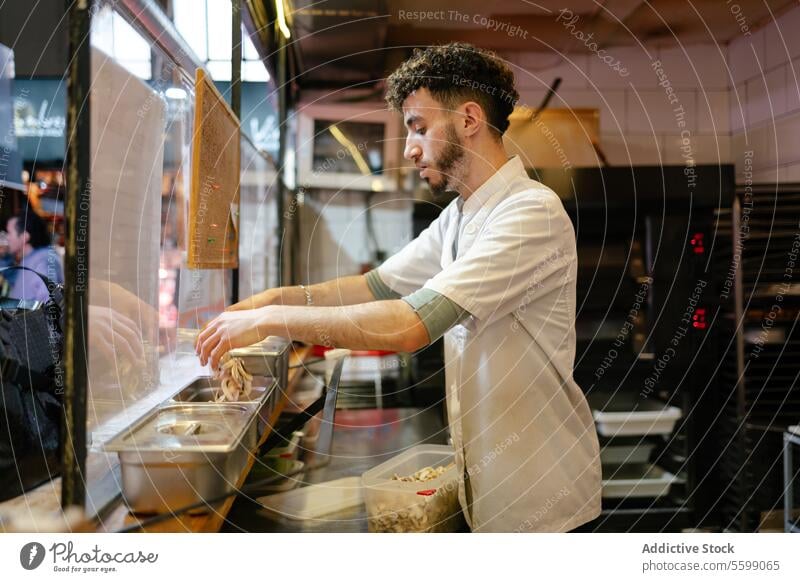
(308, 294)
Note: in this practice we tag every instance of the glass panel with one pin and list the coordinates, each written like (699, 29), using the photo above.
(10, 160)
(103, 30)
(257, 222)
(249, 52)
(116, 38)
(130, 49)
(129, 44)
(190, 20)
(254, 71)
(128, 122)
(140, 291)
(219, 30)
(348, 147)
(219, 70)
(142, 69)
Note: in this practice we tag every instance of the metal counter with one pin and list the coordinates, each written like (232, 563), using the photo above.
(362, 439)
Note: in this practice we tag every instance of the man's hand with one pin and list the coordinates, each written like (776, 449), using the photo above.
(114, 335)
(229, 330)
(255, 301)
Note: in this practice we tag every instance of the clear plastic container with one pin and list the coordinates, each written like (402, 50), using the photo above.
(315, 501)
(401, 506)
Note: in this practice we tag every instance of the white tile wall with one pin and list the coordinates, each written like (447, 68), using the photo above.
(636, 60)
(768, 99)
(790, 173)
(651, 111)
(537, 70)
(746, 56)
(713, 112)
(531, 97)
(792, 85)
(758, 104)
(775, 81)
(610, 102)
(705, 149)
(696, 66)
(738, 106)
(781, 39)
(787, 138)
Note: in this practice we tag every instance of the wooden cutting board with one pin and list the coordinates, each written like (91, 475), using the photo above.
(214, 200)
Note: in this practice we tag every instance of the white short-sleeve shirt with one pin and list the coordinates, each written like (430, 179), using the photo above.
(523, 432)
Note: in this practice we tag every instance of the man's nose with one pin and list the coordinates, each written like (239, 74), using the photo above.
(412, 151)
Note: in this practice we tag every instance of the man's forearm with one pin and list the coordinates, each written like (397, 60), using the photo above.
(351, 290)
(342, 291)
(379, 325)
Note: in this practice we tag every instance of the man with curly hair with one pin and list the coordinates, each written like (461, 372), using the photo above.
(495, 275)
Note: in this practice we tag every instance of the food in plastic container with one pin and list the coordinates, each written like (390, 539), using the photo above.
(424, 474)
(412, 506)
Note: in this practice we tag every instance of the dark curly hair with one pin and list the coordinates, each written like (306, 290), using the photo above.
(455, 73)
(36, 227)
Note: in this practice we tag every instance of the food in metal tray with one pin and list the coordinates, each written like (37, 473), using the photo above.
(236, 383)
(424, 474)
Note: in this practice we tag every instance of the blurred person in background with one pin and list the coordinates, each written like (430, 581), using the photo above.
(29, 242)
(6, 260)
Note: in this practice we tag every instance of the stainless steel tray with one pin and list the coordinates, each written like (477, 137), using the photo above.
(184, 453)
(205, 428)
(206, 388)
(269, 357)
(266, 393)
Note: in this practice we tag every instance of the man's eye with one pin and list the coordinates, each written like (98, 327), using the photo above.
(421, 130)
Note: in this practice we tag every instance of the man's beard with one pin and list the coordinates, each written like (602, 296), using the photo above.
(446, 162)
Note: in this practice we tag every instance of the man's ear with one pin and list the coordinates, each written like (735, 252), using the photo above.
(26, 237)
(472, 117)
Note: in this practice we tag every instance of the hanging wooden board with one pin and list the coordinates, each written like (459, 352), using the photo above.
(556, 138)
(214, 200)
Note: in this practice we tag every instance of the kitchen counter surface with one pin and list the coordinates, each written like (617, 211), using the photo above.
(362, 439)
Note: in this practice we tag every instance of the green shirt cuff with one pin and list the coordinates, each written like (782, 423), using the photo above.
(437, 312)
(379, 289)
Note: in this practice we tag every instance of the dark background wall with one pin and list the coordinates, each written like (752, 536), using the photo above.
(37, 33)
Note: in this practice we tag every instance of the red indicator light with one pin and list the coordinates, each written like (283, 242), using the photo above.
(697, 243)
(699, 319)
